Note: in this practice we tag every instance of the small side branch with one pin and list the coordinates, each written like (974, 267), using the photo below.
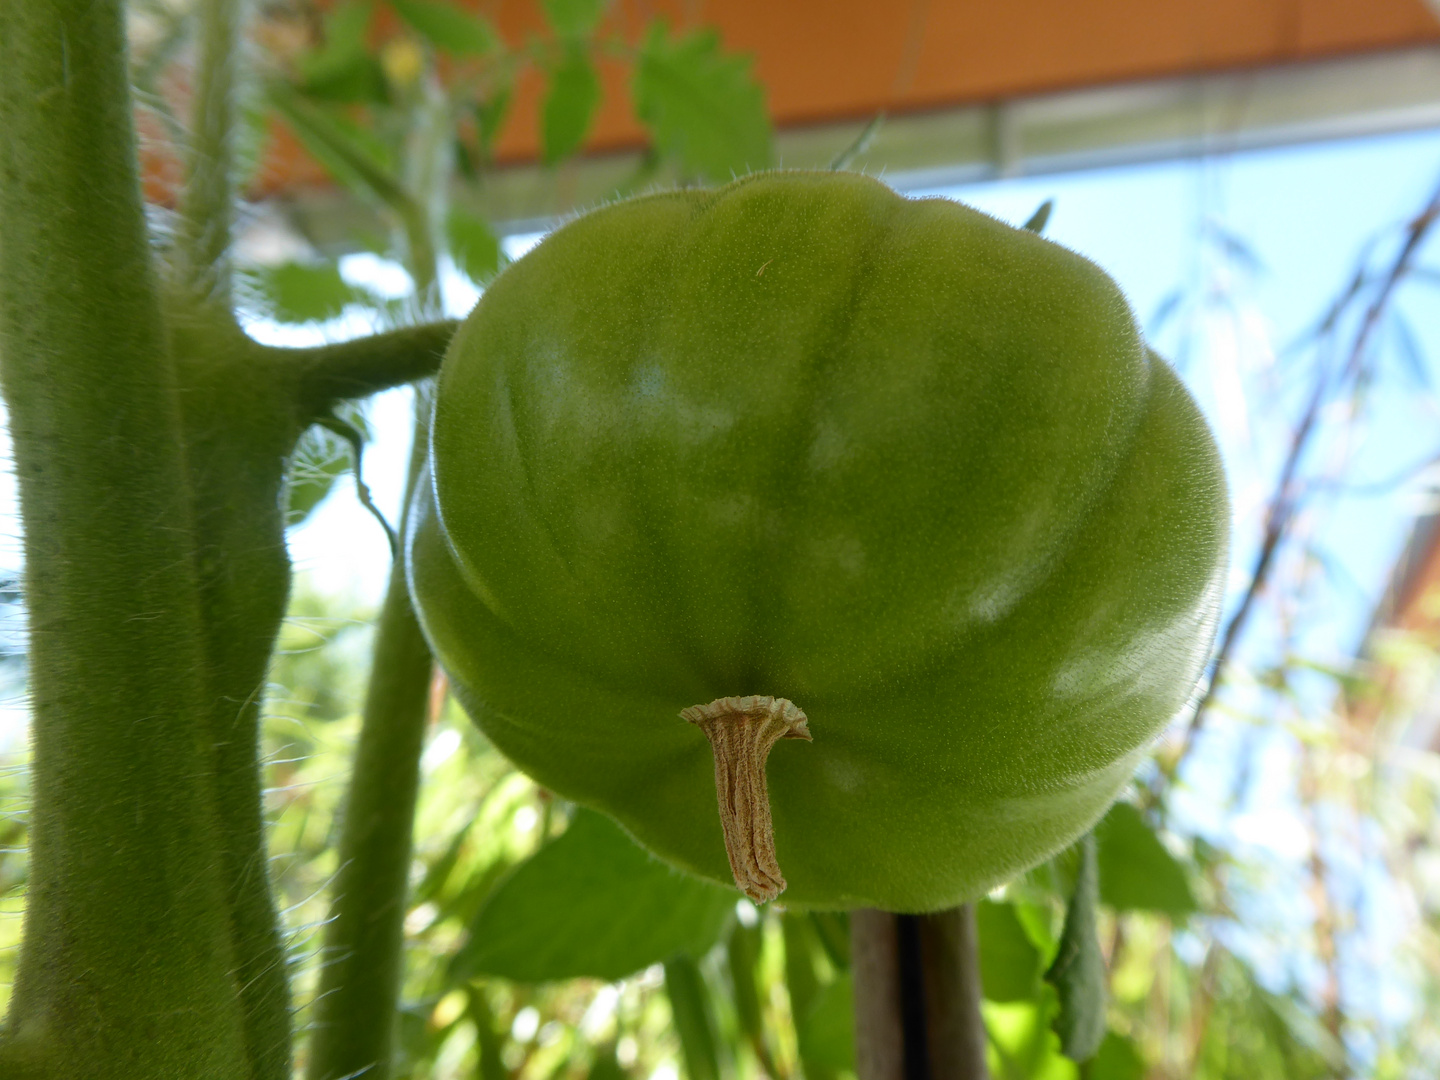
(329, 374)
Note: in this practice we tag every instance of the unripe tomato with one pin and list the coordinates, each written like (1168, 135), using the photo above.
(802, 457)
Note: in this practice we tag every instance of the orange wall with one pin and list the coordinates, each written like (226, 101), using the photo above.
(829, 59)
(836, 59)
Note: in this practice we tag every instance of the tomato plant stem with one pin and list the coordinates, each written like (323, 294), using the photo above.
(128, 967)
(357, 368)
(355, 1009)
(917, 996)
(207, 202)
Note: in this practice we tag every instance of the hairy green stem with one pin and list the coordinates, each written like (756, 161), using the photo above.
(207, 202)
(355, 1008)
(127, 968)
(328, 374)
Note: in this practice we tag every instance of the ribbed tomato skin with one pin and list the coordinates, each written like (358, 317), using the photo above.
(891, 459)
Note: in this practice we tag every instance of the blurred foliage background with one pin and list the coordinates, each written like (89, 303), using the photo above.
(541, 943)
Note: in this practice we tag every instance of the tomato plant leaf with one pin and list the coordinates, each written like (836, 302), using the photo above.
(574, 18)
(1137, 871)
(1009, 961)
(569, 106)
(591, 903)
(474, 247)
(702, 107)
(447, 27)
(1078, 973)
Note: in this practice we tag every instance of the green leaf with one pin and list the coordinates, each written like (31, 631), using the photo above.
(447, 27)
(297, 292)
(1009, 961)
(1117, 1059)
(1078, 973)
(569, 106)
(474, 247)
(574, 18)
(1137, 871)
(826, 1033)
(591, 903)
(701, 106)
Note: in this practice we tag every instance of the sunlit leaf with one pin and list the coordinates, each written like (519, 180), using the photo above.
(448, 27)
(475, 248)
(570, 104)
(1009, 961)
(1078, 973)
(591, 903)
(702, 106)
(1137, 871)
(574, 18)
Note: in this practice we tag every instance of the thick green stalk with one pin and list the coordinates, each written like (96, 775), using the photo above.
(207, 203)
(355, 1009)
(127, 968)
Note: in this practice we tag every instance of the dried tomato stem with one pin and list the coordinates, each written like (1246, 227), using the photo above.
(741, 731)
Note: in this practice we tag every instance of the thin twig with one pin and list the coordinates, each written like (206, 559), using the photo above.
(1281, 511)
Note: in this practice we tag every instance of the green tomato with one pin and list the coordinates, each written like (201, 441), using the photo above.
(802, 449)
